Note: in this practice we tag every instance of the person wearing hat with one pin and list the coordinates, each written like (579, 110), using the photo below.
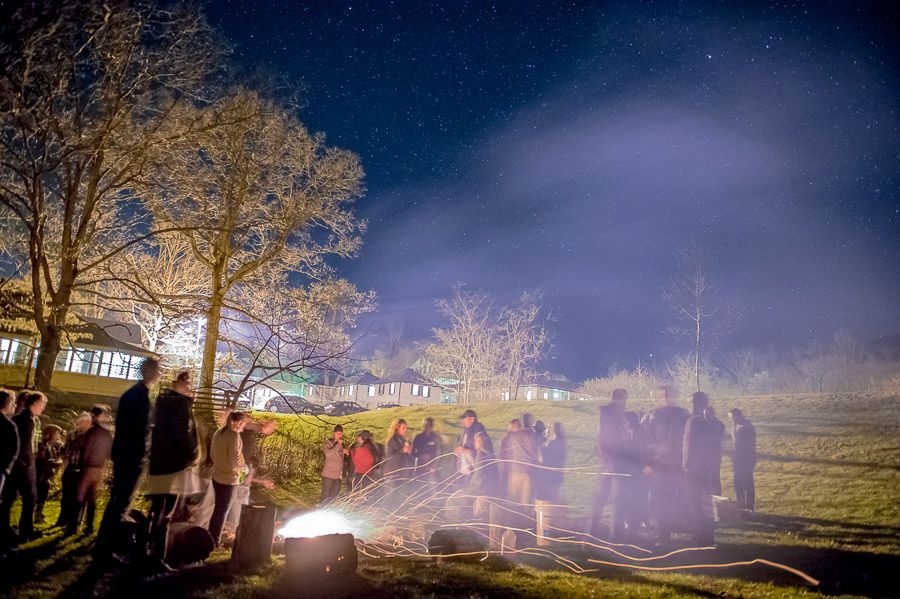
(465, 444)
(334, 465)
(743, 434)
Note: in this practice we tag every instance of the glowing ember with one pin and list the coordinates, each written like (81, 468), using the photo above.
(325, 521)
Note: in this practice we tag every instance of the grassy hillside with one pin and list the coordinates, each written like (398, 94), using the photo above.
(828, 484)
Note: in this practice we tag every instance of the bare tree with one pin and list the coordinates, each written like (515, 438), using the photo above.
(524, 338)
(256, 195)
(813, 364)
(157, 288)
(276, 331)
(848, 357)
(466, 349)
(701, 315)
(88, 92)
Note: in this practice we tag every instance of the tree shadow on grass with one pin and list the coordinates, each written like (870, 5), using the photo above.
(23, 565)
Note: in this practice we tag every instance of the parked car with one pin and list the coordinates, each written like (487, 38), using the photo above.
(388, 405)
(292, 404)
(343, 408)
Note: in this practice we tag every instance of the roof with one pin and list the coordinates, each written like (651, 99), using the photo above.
(407, 376)
(97, 333)
(553, 384)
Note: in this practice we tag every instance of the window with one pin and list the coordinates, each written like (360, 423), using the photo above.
(81, 361)
(311, 389)
(4, 349)
(545, 395)
(556, 395)
(426, 391)
(342, 391)
(351, 390)
(62, 359)
(380, 389)
(371, 390)
(528, 395)
(393, 388)
(415, 389)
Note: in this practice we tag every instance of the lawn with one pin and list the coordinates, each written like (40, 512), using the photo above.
(828, 504)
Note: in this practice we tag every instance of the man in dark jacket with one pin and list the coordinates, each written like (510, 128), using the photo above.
(426, 448)
(702, 455)
(23, 478)
(9, 451)
(465, 445)
(97, 448)
(665, 441)
(743, 434)
(609, 439)
(129, 450)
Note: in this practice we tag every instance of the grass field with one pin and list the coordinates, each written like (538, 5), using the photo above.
(828, 503)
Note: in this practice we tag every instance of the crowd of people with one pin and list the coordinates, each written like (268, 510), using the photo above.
(664, 468)
(658, 472)
(192, 476)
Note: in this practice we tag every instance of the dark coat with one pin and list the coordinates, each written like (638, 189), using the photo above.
(466, 438)
(426, 448)
(744, 437)
(132, 427)
(173, 444)
(24, 421)
(97, 447)
(702, 445)
(396, 458)
(609, 439)
(665, 437)
(9, 444)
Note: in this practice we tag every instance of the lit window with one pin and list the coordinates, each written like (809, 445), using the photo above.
(545, 395)
(62, 359)
(115, 365)
(528, 395)
(311, 389)
(555, 395)
(4, 349)
(371, 390)
(81, 360)
(342, 391)
(393, 388)
(351, 389)
(426, 391)
(415, 389)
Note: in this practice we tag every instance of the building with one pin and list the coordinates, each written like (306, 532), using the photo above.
(103, 359)
(547, 389)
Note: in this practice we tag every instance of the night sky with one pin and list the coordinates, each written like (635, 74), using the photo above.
(572, 147)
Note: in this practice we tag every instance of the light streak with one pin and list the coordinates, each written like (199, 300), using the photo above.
(392, 517)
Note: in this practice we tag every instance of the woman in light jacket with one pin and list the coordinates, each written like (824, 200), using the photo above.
(226, 451)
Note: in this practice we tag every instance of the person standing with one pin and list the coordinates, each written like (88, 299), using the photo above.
(743, 435)
(702, 442)
(426, 448)
(229, 468)
(174, 454)
(609, 439)
(129, 451)
(334, 465)
(465, 445)
(363, 456)
(522, 458)
(553, 461)
(23, 478)
(715, 483)
(72, 472)
(504, 456)
(9, 451)
(95, 452)
(9, 437)
(665, 443)
(398, 463)
(47, 463)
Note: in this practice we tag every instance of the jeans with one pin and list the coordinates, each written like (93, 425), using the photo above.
(223, 502)
(125, 480)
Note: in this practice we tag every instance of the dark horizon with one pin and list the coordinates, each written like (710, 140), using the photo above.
(572, 150)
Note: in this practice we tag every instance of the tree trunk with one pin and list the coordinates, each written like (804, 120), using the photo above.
(208, 366)
(51, 338)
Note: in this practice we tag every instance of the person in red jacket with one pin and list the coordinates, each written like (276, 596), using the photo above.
(363, 456)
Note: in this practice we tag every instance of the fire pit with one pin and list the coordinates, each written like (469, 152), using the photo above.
(329, 555)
